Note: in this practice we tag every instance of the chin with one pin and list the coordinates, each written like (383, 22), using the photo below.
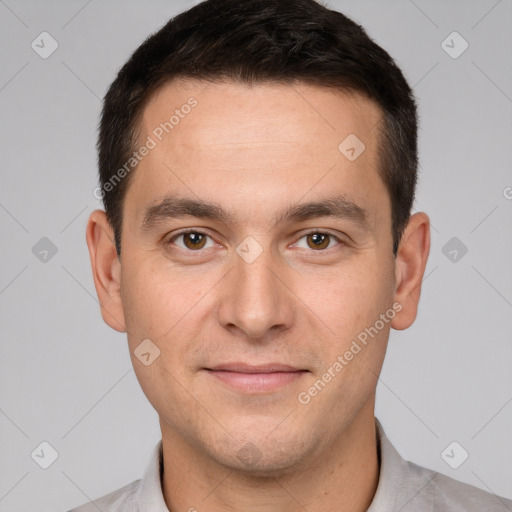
(270, 459)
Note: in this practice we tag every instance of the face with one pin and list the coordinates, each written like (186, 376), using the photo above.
(255, 253)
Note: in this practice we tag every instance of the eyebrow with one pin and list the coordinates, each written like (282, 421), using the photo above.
(338, 207)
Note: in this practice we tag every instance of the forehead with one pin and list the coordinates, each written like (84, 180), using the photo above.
(258, 144)
(277, 112)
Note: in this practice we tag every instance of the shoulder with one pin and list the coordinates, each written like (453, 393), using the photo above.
(434, 491)
(123, 499)
(409, 487)
(142, 494)
(449, 494)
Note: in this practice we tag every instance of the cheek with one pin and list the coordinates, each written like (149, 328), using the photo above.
(167, 307)
(157, 306)
(143, 301)
(351, 298)
(152, 296)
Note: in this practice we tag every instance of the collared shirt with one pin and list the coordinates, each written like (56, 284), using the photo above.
(403, 487)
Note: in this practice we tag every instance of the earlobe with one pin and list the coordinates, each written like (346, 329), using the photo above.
(410, 266)
(106, 269)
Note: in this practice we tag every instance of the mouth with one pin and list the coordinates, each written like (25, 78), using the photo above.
(255, 379)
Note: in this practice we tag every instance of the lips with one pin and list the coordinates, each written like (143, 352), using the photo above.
(246, 368)
(255, 379)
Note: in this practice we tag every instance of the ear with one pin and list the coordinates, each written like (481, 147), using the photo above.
(410, 264)
(106, 269)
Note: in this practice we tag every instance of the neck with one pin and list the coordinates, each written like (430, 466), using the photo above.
(342, 478)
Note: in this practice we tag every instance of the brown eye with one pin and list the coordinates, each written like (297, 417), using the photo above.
(194, 240)
(318, 240)
(190, 240)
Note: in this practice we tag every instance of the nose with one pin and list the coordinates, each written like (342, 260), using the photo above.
(256, 299)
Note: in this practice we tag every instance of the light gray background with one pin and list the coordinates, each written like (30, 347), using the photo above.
(66, 377)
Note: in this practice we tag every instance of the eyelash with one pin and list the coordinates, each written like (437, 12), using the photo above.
(196, 231)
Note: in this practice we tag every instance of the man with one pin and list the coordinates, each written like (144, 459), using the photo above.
(258, 166)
